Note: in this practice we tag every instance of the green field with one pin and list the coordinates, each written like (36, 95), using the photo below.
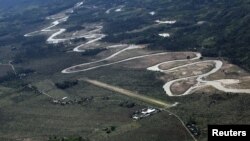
(28, 115)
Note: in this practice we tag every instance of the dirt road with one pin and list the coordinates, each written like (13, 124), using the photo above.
(135, 95)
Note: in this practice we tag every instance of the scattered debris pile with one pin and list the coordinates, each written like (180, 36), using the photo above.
(145, 113)
(67, 101)
(33, 88)
(25, 72)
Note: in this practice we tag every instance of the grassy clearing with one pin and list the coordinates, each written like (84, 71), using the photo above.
(4, 70)
(213, 108)
(26, 115)
(160, 127)
(130, 94)
(36, 118)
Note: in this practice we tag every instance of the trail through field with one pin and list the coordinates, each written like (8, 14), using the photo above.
(128, 93)
(11, 65)
(149, 100)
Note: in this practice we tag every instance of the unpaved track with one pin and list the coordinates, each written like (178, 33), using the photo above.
(12, 67)
(76, 68)
(201, 82)
(182, 123)
(94, 36)
(90, 35)
(128, 93)
(151, 101)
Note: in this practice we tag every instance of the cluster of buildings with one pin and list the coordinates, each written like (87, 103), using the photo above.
(145, 113)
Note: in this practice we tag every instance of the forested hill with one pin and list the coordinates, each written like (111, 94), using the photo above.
(227, 31)
(17, 17)
(214, 27)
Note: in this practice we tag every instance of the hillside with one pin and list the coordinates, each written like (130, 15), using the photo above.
(108, 70)
(214, 27)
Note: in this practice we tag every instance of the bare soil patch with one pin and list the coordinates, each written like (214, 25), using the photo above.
(181, 86)
(228, 71)
(192, 70)
(153, 60)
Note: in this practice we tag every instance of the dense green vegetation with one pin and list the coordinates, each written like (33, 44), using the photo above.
(66, 84)
(213, 27)
(17, 17)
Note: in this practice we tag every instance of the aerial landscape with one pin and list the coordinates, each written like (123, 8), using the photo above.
(109, 70)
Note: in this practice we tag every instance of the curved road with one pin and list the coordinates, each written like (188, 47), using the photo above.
(94, 36)
(201, 82)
